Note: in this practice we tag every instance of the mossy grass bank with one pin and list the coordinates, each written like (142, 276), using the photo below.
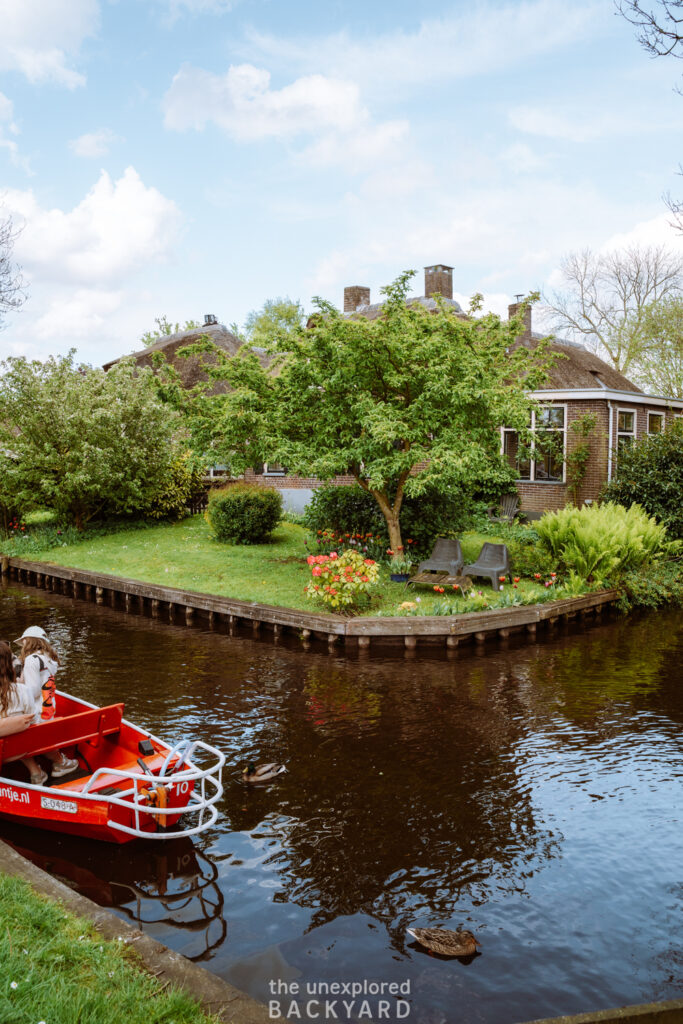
(185, 555)
(55, 968)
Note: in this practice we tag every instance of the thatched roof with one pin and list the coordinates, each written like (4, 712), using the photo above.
(374, 309)
(582, 370)
(189, 368)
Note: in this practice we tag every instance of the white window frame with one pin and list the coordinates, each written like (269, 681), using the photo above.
(660, 416)
(625, 433)
(531, 479)
(273, 472)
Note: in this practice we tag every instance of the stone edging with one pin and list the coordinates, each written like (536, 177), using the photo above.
(211, 992)
(357, 632)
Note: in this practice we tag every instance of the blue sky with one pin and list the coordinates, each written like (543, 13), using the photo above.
(183, 157)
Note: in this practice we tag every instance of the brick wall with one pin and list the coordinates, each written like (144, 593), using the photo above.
(540, 496)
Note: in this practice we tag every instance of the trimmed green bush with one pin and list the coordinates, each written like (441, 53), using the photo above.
(601, 541)
(650, 472)
(244, 513)
(352, 510)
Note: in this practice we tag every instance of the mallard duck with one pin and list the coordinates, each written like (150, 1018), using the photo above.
(446, 942)
(262, 772)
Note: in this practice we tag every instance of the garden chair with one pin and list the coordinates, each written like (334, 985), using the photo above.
(509, 506)
(493, 561)
(446, 559)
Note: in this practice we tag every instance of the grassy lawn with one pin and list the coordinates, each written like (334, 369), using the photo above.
(185, 555)
(56, 969)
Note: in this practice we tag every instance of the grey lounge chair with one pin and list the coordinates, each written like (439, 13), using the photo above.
(493, 561)
(446, 556)
(509, 506)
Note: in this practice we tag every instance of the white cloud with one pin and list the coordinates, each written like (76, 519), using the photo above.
(656, 231)
(488, 37)
(39, 37)
(242, 103)
(94, 144)
(176, 7)
(7, 124)
(118, 226)
(552, 124)
(80, 315)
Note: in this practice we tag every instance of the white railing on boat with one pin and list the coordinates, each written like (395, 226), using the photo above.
(201, 803)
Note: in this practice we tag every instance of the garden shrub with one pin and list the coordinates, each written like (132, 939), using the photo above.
(652, 585)
(650, 472)
(183, 485)
(244, 513)
(601, 541)
(351, 510)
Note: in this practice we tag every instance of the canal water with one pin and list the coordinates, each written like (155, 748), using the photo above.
(530, 793)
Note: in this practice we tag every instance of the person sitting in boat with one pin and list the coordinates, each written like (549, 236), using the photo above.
(39, 663)
(15, 700)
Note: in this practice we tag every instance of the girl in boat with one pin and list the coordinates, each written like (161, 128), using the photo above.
(15, 700)
(39, 663)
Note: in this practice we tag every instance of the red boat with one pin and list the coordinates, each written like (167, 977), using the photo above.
(129, 784)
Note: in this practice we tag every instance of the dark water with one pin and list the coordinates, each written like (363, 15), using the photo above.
(531, 793)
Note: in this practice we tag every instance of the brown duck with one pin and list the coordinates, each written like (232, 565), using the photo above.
(262, 772)
(446, 942)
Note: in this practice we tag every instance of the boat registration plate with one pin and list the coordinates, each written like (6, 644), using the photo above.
(48, 803)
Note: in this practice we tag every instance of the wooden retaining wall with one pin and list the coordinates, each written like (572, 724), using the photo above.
(355, 633)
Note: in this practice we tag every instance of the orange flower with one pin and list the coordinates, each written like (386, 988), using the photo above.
(501, 579)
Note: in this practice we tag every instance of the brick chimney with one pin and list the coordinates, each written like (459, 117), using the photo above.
(354, 296)
(439, 280)
(513, 310)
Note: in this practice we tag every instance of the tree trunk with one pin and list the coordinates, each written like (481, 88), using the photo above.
(390, 512)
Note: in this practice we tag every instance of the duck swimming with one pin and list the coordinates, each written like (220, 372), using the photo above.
(446, 942)
(262, 772)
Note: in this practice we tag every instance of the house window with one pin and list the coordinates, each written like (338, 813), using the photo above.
(273, 469)
(545, 462)
(626, 427)
(655, 422)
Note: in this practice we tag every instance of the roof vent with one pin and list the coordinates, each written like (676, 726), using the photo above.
(209, 319)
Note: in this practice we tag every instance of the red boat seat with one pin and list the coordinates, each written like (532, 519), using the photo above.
(62, 732)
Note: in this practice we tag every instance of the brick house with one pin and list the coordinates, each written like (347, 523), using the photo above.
(579, 383)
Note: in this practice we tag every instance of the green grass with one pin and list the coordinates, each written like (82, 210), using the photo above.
(55, 968)
(185, 555)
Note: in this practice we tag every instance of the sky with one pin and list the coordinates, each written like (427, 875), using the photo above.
(182, 157)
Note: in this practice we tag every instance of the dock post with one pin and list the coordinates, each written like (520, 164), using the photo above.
(99, 595)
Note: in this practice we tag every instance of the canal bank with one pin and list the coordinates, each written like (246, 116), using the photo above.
(213, 994)
(356, 634)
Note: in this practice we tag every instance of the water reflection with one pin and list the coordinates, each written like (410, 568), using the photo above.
(532, 794)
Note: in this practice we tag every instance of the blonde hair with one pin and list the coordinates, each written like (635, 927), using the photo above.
(36, 645)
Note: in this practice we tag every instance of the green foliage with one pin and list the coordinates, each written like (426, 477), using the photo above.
(410, 401)
(660, 365)
(650, 472)
(276, 318)
(243, 513)
(601, 541)
(183, 484)
(435, 513)
(579, 453)
(653, 585)
(342, 582)
(82, 442)
(165, 329)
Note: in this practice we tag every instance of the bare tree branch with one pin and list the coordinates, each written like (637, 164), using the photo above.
(660, 33)
(605, 296)
(12, 294)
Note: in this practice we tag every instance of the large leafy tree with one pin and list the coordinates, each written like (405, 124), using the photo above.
(81, 441)
(405, 401)
(660, 366)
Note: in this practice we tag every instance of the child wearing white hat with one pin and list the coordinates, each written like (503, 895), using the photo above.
(39, 663)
